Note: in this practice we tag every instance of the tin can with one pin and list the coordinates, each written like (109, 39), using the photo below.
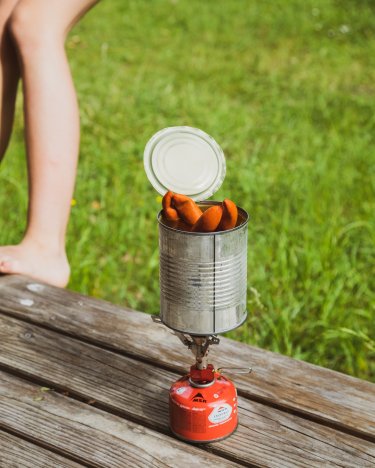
(203, 277)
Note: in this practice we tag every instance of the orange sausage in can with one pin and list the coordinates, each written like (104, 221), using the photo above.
(187, 209)
(209, 220)
(230, 215)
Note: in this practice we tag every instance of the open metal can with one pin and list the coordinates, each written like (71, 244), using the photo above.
(203, 277)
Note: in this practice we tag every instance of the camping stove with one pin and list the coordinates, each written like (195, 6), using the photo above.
(203, 403)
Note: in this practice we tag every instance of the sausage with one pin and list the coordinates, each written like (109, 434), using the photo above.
(230, 215)
(187, 209)
(167, 200)
(169, 212)
(209, 220)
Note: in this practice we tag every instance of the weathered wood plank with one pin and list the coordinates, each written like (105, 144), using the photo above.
(294, 385)
(18, 453)
(138, 390)
(89, 434)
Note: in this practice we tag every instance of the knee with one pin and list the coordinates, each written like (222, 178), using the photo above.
(30, 34)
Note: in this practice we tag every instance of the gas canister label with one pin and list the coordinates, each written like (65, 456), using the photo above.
(220, 414)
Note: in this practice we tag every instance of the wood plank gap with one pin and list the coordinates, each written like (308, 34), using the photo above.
(112, 410)
(45, 446)
(181, 371)
(99, 344)
(17, 452)
(304, 415)
(43, 383)
(74, 395)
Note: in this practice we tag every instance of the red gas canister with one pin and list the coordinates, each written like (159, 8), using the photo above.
(204, 412)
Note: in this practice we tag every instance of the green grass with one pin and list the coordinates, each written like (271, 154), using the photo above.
(287, 89)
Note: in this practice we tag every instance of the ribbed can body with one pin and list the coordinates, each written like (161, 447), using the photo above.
(203, 278)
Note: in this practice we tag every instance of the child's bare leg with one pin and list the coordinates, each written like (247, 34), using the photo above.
(39, 29)
(9, 76)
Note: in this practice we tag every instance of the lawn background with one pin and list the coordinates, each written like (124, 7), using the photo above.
(287, 88)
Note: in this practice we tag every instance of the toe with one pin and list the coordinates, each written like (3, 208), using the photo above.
(3, 261)
(8, 265)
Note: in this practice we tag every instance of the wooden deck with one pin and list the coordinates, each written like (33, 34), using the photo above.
(84, 382)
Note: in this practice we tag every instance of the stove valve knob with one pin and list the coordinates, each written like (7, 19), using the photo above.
(202, 375)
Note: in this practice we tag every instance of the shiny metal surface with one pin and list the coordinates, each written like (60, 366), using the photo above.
(203, 278)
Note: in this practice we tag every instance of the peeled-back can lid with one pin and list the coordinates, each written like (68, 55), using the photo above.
(184, 160)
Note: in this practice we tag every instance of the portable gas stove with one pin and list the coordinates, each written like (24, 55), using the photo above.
(203, 403)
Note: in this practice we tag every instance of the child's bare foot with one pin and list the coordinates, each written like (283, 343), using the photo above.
(33, 260)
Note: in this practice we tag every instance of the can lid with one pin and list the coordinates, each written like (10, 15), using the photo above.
(184, 160)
